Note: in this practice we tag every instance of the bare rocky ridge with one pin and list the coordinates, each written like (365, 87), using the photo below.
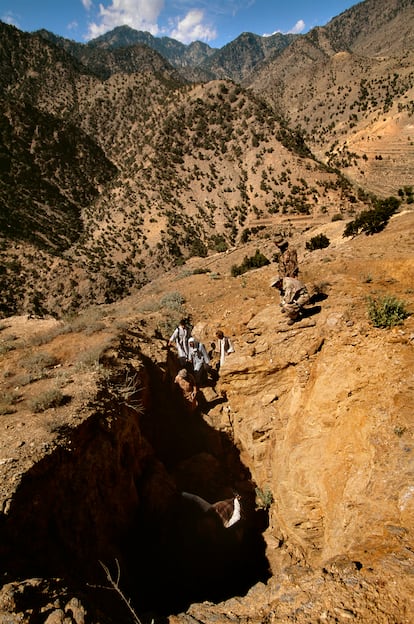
(317, 414)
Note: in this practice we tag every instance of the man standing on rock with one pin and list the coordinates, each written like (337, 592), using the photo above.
(288, 259)
(224, 347)
(294, 295)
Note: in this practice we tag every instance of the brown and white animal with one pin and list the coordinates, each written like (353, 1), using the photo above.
(228, 510)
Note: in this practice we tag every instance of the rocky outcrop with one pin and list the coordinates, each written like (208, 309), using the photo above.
(327, 437)
(321, 412)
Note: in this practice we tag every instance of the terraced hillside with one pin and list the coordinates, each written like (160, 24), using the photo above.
(350, 87)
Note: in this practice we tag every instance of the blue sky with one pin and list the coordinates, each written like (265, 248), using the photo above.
(214, 21)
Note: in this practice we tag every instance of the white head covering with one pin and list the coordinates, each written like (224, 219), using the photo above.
(275, 280)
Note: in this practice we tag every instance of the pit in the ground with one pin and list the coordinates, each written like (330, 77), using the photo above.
(113, 493)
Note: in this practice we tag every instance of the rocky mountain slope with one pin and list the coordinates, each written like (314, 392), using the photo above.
(349, 86)
(239, 59)
(310, 423)
(180, 170)
(118, 52)
(234, 61)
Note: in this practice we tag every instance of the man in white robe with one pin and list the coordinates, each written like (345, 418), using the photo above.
(199, 359)
(180, 337)
(224, 347)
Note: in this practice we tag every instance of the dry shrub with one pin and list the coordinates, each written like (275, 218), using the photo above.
(24, 379)
(92, 357)
(7, 402)
(47, 336)
(88, 321)
(39, 362)
(46, 400)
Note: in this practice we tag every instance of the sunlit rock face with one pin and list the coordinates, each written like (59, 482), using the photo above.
(322, 413)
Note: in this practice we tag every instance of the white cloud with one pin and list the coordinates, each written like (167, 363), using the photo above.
(87, 4)
(297, 28)
(9, 18)
(191, 28)
(138, 14)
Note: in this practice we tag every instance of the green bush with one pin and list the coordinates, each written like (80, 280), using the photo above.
(245, 236)
(318, 242)
(386, 311)
(375, 220)
(201, 271)
(264, 498)
(218, 243)
(198, 248)
(252, 262)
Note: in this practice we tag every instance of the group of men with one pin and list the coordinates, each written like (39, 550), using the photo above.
(194, 360)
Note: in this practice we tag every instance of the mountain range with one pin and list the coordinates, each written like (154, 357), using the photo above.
(234, 61)
(130, 154)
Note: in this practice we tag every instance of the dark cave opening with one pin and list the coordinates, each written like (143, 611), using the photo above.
(193, 559)
(113, 493)
(187, 555)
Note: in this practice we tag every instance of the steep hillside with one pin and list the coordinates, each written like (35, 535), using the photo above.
(105, 60)
(165, 170)
(374, 28)
(50, 169)
(175, 52)
(196, 167)
(240, 58)
(350, 87)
